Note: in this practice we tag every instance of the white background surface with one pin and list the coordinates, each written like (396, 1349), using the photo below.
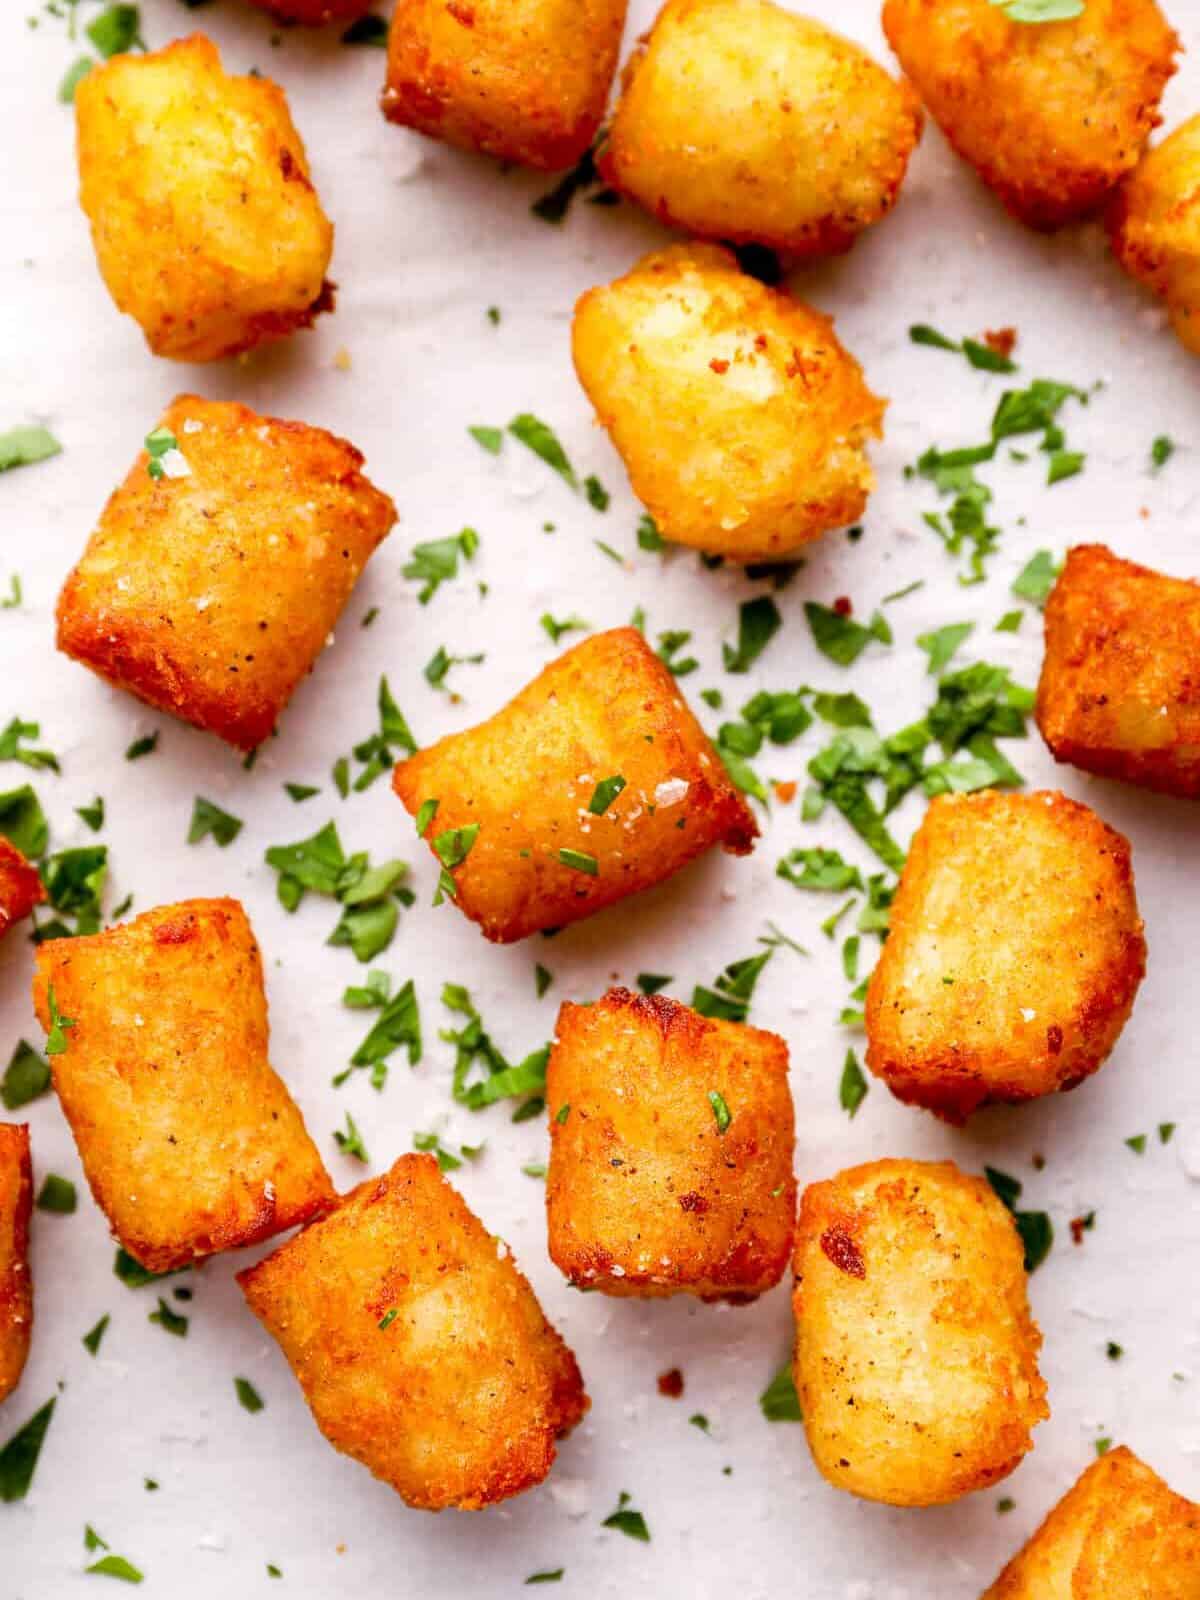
(427, 239)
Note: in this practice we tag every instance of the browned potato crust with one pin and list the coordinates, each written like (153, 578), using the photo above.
(916, 1355)
(210, 595)
(16, 1285)
(1154, 221)
(645, 1195)
(742, 421)
(189, 1140)
(1119, 1534)
(1120, 687)
(1052, 115)
(420, 1347)
(207, 228)
(21, 886)
(1014, 954)
(607, 708)
(525, 80)
(740, 120)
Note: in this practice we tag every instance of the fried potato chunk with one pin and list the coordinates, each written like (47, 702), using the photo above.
(16, 1285)
(1050, 116)
(670, 1151)
(220, 566)
(1119, 1534)
(21, 886)
(188, 1138)
(207, 228)
(420, 1347)
(594, 782)
(741, 420)
(740, 120)
(1120, 687)
(916, 1355)
(525, 80)
(1154, 222)
(1014, 954)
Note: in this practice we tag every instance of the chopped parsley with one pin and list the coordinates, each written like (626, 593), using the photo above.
(57, 1195)
(350, 1143)
(758, 623)
(489, 439)
(1040, 10)
(1137, 1144)
(134, 1275)
(375, 753)
(1036, 578)
(670, 644)
(115, 1566)
(368, 30)
(15, 594)
(426, 811)
(24, 446)
(209, 819)
(720, 1110)
(779, 1401)
(629, 1522)
(446, 1159)
(143, 746)
(606, 791)
(116, 30)
(549, 1575)
(19, 1456)
(92, 815)
(979, 355)
(542, 979)
(579, 861)
(730, 996)
(943, 643)
(475, 1052)
(839, 636)
(301, 791)
(1161, 451)
(648, 536)
(248, 1396)
(823, 870)
(12, 746)
(1035, 1227)
(539, 437)
(597, 495)
(56, 1038)
(439, 664)
(436, 561)
(554, 205)
(165, 457)
(91, 1340)
(652, 982)
(169, 1320)
(26, 1078)
(452, 848)
(398, 1026)
(852, 1090)
(555, 629)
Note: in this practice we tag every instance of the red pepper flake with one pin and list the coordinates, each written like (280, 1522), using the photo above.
(1082, 1225)
(1002, 340)
(843, 605)
(785, 793)
(719, 366)
(671, 1383)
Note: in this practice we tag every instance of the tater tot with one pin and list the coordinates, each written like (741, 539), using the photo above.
(1051, 115)
(16, 1285)
(1154, 222)
(419, 1345)
(916, 1354)
(1119, 692)
(1119, 1534)
(21, 886)
(524, 80)
(210, 587)
(740, 120)
(207, 228)
(1014, 954)
(741, 420)
(189, 1140)
(594, 782)
(670, 1151)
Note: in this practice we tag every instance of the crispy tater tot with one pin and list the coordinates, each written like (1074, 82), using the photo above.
(1119, 1534)
(1119, 692)
(207, 228)
(16, 1285)
(525, 80)
(419, 1345)
(190, 1141)
(21, 887)
(1050, 114)
(1013, 956)
(670, 1151)
(1154, 222)
(740, 120)
(916, 1354)
(592, 783)
(742, 421)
